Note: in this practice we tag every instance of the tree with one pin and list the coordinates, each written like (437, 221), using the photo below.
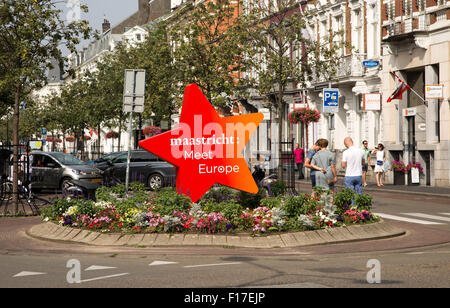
(208, 49)
(284, 55)
(31, 32)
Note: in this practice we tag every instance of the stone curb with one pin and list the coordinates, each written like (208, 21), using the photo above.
(353, 233)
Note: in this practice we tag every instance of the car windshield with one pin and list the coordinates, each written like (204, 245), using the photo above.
(108, 157)
(67, 159)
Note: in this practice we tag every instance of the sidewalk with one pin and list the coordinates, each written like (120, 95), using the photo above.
(354, 233)
(305, 186)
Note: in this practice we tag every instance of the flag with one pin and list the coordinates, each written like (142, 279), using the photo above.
(398, 93)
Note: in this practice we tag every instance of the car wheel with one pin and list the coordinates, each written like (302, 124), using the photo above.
(155, 181)
(65, 184)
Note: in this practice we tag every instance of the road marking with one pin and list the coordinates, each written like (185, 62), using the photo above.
(104, 277)
(428, 216)
(161, 263)
(98, 267)
(25, 273)
(217, 264)
(445, 214)
(399, 218)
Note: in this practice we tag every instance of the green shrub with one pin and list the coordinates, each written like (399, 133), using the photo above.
(250, 201)
(219, 194)
(363, 202)
(301, 204)
(271, 202)
(168, 200)
(278, 188)
(344, 199)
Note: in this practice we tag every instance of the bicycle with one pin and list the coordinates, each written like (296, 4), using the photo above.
(26, 197)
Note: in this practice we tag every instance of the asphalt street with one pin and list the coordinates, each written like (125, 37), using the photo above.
(420, 258)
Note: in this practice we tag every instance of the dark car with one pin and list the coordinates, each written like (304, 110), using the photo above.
(102, 162)
(145, 168)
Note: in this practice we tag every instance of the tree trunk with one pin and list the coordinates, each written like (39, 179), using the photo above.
(15, 175)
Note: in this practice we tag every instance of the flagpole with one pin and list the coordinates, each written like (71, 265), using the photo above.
(424, 101)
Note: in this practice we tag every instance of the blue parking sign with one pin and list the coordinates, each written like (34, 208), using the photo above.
(330, 100)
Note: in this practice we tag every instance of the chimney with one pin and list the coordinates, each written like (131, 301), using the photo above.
(105, 25)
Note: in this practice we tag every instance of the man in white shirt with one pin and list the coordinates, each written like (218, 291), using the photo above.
(352, 162)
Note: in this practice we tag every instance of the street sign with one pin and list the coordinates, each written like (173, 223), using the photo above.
(409, 112)
(330, 100)
(372, 102)
(434, 91)
(371, 63)
(134, 91)
(43, 131)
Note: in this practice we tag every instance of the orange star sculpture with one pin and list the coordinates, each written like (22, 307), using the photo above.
(206, 148)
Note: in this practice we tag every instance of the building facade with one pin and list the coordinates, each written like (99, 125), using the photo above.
(416, 47)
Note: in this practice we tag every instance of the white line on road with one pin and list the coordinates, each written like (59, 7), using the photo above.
(25, 273)
(104, 277)
(399, 218)
(428, 216)
(161, 263)
(217, 264)
(98, 267)
(445, 214)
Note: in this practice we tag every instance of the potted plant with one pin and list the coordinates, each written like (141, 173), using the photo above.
(70, 138)
(400, 170)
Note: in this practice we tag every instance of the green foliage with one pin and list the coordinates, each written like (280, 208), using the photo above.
(344, 198)
(271, 202)
(168, 200)
(278, 188)
(363, 202)
(219, 194)
(61, 205)
(230, 209)
(250, 201)
(301, 204)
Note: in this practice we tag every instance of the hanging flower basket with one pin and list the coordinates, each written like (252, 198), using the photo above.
(87, 137)
(57, 140)
(152, 130)
(49, 139)
(304, 115)
(70, 138)
(112, 135)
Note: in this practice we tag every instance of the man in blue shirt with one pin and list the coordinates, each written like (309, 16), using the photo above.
(309, 157)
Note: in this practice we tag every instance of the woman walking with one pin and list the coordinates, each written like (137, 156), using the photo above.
(381, 159)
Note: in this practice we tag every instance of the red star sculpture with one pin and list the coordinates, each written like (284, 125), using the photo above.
(206, 148)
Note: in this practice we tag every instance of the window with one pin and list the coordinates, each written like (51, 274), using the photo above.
(138, 37)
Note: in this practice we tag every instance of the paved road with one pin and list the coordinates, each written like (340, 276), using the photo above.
(420, 258)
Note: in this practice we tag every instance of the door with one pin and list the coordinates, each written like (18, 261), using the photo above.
(37, 175)
(52, 172)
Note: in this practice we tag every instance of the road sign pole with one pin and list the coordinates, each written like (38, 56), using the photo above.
(130, 128)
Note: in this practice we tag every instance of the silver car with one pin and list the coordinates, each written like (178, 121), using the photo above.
(55, 169)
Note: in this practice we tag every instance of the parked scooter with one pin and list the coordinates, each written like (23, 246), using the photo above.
(263, 181)
(80, 190)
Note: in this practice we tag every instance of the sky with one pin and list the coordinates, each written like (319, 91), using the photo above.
(114, 10)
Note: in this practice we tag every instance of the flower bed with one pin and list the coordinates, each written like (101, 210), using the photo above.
(219, 211)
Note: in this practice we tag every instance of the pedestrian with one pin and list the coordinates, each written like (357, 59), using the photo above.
(325, 165)
(352, 162)
(381, 159)
(299, 159)
(365, 167)
(309, 156)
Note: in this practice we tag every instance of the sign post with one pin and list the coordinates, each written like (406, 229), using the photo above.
(133, 101)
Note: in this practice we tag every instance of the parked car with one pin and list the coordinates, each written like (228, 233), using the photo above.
(55, 169)
(102, 162)
(145, 168)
